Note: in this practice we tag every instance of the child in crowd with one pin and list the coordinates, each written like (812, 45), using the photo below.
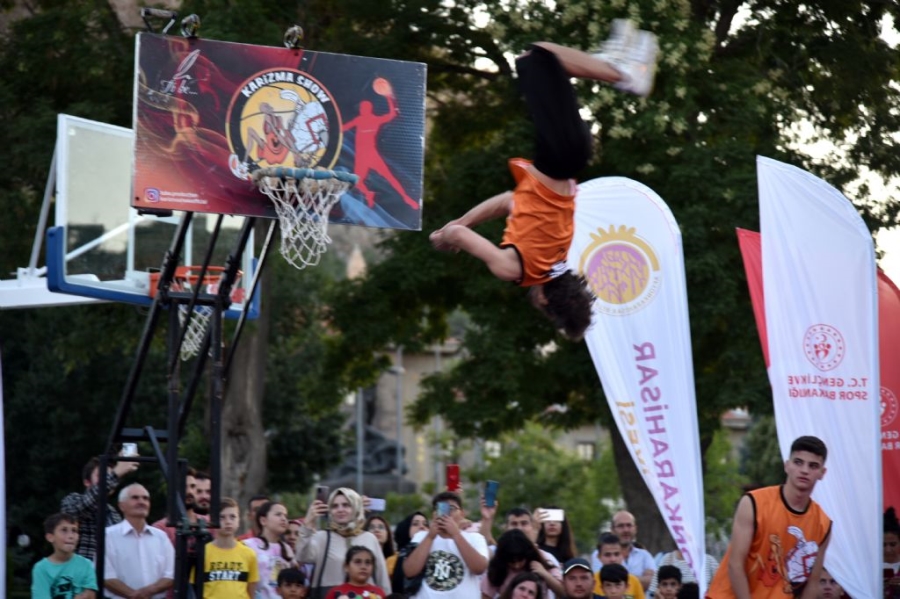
(229, 567)
(63, 575)
(272, 553)
(291, 584)
(614, 579)
(359, 566)
(668, 582)
(609, 551)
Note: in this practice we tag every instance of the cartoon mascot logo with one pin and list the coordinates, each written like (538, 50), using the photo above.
(282, 117)
(622, 270)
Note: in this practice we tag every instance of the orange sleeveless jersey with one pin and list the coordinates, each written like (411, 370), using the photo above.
(783, 550)
(539, 226)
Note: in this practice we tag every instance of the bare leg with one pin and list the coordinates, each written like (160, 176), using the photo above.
(581, 64)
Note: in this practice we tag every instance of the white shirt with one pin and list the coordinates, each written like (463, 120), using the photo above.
(446, 574)
(639, 561)
(137, 559)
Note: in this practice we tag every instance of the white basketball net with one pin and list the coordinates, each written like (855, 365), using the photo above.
(303, 199)
(196, 330)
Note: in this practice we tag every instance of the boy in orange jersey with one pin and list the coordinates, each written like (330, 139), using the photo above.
(540, 211)
(780, 534)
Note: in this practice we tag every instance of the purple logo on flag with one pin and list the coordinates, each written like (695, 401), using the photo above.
(622, 270)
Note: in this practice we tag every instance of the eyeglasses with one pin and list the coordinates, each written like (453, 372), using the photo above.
(377, 527)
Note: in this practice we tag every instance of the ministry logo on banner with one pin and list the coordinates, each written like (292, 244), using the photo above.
(822, 334)
(824, 346)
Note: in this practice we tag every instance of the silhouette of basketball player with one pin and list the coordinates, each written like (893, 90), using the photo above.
(368, 158)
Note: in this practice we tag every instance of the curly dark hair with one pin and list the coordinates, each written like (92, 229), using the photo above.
(569, 302)
(512, 546)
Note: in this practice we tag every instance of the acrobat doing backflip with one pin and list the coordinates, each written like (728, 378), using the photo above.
(540, 210)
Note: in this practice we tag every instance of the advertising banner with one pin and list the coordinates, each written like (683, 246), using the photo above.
(628, 246)
(209, 113)
(821, 316)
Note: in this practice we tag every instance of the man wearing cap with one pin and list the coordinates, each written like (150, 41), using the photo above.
(578, 579)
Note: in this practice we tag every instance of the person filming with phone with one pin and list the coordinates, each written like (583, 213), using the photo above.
(83, 506)
(327, 549)
(452, 560)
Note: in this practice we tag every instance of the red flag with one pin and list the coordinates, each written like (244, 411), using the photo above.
(751, 251)
(889, 355)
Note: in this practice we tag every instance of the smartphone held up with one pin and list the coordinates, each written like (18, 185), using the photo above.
(490, 493)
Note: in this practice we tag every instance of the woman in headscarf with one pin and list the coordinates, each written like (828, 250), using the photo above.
(326, 549)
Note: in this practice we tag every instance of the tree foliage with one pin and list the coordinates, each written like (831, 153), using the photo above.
(723, 482)
(533, 471)
(761, 461)
(729, 88)
(64, 368)
(736, 80)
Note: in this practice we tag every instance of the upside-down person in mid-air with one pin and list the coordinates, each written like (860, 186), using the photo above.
(540, 210)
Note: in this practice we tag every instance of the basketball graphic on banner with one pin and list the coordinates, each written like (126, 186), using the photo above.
(210, 114)
(382, 87)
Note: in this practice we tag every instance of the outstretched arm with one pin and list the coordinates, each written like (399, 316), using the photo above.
(498, 206)
(503, 262)
(458, 235)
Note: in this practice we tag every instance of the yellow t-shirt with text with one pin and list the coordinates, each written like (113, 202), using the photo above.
(227, 572)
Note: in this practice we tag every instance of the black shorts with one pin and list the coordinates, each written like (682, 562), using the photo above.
(563, 139)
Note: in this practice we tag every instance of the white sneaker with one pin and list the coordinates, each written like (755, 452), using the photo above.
(638, 64)
(620, 37)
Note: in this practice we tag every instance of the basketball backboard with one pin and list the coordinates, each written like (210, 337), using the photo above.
(208, 113)
(99, 248)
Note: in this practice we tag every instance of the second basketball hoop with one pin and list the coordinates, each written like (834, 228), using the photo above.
(303, 198)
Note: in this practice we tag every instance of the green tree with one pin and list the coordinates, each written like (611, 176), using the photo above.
(64, 368)
(761, 461)
(533, 471)
(728, 90)
(723, 483)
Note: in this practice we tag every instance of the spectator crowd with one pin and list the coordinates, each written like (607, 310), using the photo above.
(342, 549)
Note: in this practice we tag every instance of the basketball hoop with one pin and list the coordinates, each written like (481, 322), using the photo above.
(185, 280)
(303, 198)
